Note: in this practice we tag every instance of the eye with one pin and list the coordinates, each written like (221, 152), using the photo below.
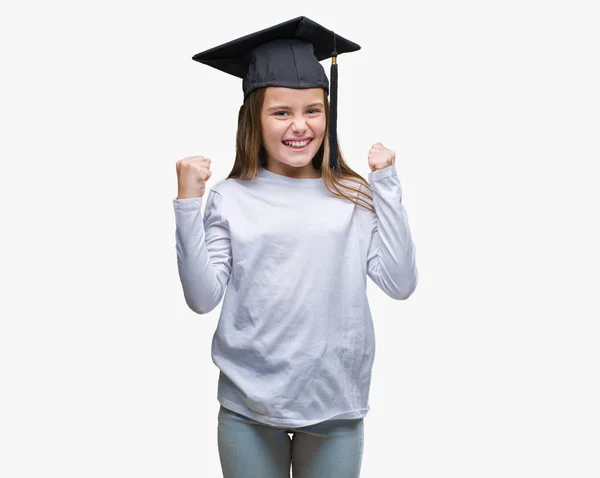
(313, 111)
(279, 113)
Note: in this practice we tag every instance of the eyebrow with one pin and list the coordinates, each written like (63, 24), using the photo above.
(283, 107)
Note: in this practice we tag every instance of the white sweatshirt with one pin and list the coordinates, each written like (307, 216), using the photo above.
(295, 341)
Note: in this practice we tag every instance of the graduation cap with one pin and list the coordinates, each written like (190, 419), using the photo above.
(287, 55)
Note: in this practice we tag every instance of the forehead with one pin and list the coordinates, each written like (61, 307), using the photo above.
(276, 94)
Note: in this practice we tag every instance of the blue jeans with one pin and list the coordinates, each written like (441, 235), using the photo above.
(251, 449)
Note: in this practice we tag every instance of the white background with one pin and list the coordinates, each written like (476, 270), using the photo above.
(490, 369)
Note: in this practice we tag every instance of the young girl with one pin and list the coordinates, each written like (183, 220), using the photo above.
(288, 238)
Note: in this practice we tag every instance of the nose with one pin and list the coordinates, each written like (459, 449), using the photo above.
(299, 124)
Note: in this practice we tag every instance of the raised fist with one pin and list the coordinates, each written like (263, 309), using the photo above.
(192, 174)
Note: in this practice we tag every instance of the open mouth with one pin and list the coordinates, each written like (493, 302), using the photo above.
(297, 145)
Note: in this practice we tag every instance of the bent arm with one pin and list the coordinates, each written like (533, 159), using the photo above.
(203, 251)
(391, 258)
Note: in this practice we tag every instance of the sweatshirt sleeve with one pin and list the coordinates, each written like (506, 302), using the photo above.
(203, 251)
(391, 257)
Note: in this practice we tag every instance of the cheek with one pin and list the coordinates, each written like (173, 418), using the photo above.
(272, 135)
(318, 125)
(273, 130)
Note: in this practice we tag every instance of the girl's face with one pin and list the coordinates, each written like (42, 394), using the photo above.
(293, 127)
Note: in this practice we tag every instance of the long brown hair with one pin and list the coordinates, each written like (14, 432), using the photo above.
(250, 155)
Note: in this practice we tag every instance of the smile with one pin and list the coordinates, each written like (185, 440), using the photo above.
(297, 145)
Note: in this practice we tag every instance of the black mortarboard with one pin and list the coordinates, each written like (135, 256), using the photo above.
(288, 55)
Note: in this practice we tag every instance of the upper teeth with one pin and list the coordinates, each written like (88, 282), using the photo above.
(297, 143)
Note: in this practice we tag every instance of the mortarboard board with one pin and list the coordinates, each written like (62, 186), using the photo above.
(287, 55)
